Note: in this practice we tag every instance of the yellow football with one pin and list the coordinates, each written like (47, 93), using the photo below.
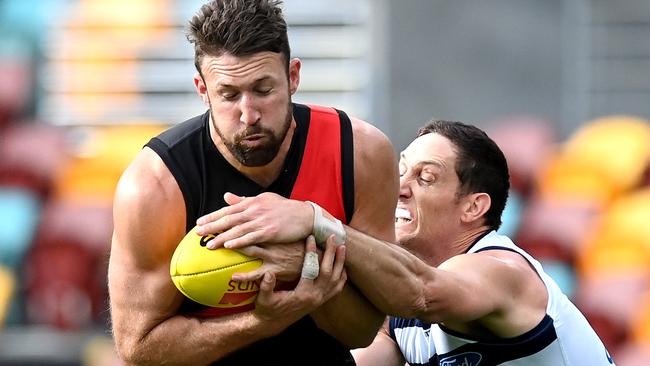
(204, 275)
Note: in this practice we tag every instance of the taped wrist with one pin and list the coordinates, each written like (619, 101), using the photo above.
(324, 227)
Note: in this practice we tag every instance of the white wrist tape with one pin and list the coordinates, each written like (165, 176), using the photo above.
(325, 227)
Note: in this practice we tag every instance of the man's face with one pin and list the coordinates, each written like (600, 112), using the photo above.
(428, 209)
(250, 103)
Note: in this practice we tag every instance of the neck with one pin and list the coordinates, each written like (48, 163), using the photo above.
(263, 175)
(467, 239)
(439, 252)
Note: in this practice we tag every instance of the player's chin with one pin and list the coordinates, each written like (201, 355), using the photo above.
(404, 235)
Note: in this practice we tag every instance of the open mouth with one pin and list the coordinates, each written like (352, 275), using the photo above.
(402, 216)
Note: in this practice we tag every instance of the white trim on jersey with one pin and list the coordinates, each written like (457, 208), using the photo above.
(562, 338)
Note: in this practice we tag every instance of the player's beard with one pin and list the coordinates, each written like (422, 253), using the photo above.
(262, 154)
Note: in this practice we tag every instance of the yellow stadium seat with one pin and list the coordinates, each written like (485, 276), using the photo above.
(564, 177)
(641, 329)
(617, 147)
(629, 216)
(92, 175)
(7, 286)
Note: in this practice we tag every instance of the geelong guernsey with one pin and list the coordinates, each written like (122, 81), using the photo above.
(318, 167)
(562, 338)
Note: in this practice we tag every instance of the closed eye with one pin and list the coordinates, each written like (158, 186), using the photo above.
(229, 95)
(427, 178)
(264, 91)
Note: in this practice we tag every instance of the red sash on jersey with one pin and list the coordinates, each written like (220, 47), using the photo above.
(320, 178)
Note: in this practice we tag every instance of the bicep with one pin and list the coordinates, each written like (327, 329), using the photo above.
(468, 287)
(140, 299)
(140, 288)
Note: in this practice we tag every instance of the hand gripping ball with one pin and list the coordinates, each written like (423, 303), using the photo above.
(204, 275)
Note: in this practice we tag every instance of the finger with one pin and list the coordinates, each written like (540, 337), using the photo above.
(249, 276)
(244, 240)
(233, 207)
(327, 262)
(253, 251)
(226, 222)
(310, 244)
(310, 266)
(266, 287)
(339, 262)
(232, 198)
(240, 235)
(342, 281)
(216, 215)
(204, 223)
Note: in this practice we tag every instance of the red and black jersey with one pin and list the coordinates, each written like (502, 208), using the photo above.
(319, 167)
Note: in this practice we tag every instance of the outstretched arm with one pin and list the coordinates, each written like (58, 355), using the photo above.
(270, 218)
(494, 288)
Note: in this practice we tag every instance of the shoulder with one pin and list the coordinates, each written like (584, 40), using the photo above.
(499, 263)
(367, 134)
(148, 206)
(372, 148)
(146, 178)
(507, 277)
(375, 175)
(477, 291)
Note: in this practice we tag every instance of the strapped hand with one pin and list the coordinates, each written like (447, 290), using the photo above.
(309, 294)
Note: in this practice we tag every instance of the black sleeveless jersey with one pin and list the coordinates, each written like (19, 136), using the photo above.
(318, 167)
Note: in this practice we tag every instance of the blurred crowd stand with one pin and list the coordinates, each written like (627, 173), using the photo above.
(581, 205)
(585, 213)
(57, 183)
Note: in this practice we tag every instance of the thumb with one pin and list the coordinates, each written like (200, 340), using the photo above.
(232, 198)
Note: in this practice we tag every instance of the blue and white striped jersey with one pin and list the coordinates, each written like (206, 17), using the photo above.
(562, 338)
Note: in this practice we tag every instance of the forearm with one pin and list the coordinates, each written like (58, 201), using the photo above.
(382, 352)
(350, 318)
(148, 329)
(183, 340)
(388, 275)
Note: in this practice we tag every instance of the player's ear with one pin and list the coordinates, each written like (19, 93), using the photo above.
(476, 206)
(294, 74)
(201, 89)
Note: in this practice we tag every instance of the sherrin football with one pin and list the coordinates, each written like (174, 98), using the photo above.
(204, 275)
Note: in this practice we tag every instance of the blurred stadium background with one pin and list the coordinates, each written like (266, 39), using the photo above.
(563, 86)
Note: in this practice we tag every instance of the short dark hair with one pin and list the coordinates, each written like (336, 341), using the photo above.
(480, 166)
(240, 28)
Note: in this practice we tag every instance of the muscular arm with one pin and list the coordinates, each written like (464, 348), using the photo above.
(149, 221)
(271, 218)
(375, 162)
(497, 288)
(476, 287)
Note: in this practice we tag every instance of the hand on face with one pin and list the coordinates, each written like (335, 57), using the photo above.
(309, 294)
(266, 218)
